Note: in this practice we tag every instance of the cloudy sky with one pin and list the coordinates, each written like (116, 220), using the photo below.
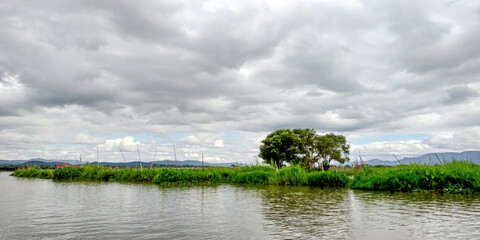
(215, 77)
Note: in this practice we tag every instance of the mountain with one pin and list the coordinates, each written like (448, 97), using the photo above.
(429, 159)
(52, 162)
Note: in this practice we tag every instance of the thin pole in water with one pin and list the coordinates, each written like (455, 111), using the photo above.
(138, 150)
(175, 153)
(50, 159)
(151, 166)
(439, 159)
(360, 156)
(98, 161)
(125, 161)
(37, 166)
(396, 158)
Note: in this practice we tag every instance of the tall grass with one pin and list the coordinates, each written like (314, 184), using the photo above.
(293, 175)
(454, 177)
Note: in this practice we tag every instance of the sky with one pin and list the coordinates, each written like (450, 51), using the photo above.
(216, 77)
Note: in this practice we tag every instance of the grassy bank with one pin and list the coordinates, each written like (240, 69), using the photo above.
(455, 177)
(253, 175)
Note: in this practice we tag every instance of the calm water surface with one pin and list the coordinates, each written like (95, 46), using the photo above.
(44, 209)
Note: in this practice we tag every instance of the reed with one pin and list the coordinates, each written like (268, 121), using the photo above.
(454, 177)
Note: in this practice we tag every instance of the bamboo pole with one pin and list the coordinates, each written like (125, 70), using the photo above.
(396, 158)
(151, 166)
(175, 153)
(139, 159)
(439, 159)
(98, 161)
(361, 159)
(125, 161)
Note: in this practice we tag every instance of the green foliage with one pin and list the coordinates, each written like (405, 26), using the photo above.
(332, 147)
(327, 179)
(34, 172)
(303, 147)
(253, 177)
(279, 147)
(454, 177)
(67, 173)
(293, 175)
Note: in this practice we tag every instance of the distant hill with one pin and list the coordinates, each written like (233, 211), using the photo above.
(429, 158)
(52, 162)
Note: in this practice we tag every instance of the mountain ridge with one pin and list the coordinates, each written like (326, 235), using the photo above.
(52, 162)
(428, 158)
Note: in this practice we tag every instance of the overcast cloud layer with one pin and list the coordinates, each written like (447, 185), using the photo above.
(215, 77)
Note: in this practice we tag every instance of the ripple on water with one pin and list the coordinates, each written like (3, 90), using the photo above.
(42, 209)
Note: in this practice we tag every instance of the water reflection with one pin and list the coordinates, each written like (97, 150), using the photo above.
(305, 212)
(43, 209)
(382, 215)
(313, 213)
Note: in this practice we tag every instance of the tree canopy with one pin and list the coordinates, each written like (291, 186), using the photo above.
(304, 147)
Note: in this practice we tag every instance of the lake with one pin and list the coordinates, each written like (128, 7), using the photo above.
(45, 209)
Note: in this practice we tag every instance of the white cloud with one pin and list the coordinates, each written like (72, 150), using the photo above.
(219, 143)
(86, 139)
(127, 144)
(202, 69)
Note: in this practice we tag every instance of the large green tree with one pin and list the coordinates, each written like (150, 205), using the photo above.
(279, 147)
(304, 147)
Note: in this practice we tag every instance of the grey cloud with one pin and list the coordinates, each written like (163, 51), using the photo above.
(120, 67)
(459, 94)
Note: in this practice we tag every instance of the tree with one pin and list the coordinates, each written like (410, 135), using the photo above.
(304, 147)
(279, 147)
(306, 150)
(332, 147)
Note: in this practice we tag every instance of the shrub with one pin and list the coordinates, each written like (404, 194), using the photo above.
(253, 177)
(327, 179)
(65, 173)
(292, 175)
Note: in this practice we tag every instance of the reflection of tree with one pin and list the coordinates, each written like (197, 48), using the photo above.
(306, 212)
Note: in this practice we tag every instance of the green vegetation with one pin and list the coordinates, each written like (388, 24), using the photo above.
(303, 147)
(294, 175)
(455, 177)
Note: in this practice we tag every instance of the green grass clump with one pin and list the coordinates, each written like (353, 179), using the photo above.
(327, 179)
(33, 172)
(253, 177)
(292, 175)
(67, 173)
(454, 177)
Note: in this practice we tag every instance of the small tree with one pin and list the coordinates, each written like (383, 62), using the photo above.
(331, 147)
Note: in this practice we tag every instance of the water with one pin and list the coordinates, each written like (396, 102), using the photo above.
(44, 209)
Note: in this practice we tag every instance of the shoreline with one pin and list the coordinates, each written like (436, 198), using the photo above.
(455, 177)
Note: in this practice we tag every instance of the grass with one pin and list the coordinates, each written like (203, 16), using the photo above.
(454, 177)
(294, 175)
